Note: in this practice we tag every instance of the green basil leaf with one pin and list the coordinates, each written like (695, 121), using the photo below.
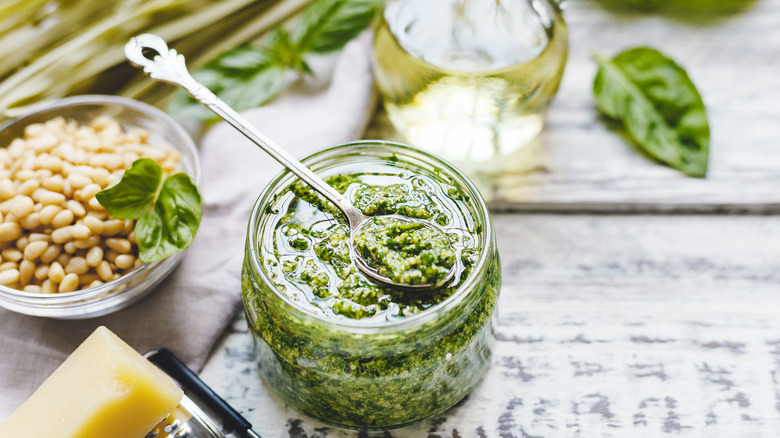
(171, 226)
(286, 52)
(658, 105)
(184, 107)
(249, 76)
(134, 194)
(244, 58)
(256, 91)
(244, 78)
(328, 25)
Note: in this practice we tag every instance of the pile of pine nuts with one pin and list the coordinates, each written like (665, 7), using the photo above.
(55, 236)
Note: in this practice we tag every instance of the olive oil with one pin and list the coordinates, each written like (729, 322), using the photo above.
(469, 80)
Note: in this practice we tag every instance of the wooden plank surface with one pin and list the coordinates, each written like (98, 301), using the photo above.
(609, 326)
(581, 164)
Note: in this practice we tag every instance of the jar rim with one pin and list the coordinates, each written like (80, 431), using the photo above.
(358, 326)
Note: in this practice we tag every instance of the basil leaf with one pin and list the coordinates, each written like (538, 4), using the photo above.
(658, 105)
(328, 25)
(170, 227)
(135, 193)
(249, 76)
(243, 58)
(256, 91)
(239, 90)
(168, 216)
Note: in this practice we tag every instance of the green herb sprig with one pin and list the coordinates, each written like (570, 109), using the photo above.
(658, 105)
(250, 76)
(167, 208)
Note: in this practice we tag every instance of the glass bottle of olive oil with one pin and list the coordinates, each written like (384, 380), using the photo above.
(469, 80)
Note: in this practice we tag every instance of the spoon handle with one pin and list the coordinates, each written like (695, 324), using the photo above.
(168, 66)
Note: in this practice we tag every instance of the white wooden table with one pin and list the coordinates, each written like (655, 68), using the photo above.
(635, 301)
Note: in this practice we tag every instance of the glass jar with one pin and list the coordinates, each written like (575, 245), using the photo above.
(469, 80)
(370, 373)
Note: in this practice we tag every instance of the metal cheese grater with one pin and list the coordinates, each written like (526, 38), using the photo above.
(189, 420)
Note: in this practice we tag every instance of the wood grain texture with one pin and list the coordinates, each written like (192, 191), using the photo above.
(582, 163)
(609, 326)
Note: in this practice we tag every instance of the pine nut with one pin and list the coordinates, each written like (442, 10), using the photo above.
(63, 218)
(94, 224)
(25, 174)
(28, 187)
(94, 204)
(33, 250)
(113, 226)
(7, 189)
(23, 205)
(61, 235)
(39, 237)
(32, 288)
(48, 213)
(22, 242)
(31, 222)
(77, 265)
(104, 271)
(51, 198)
(119, 245)
(89, 191)
(124, 261)
(26, 271)
(10, 231)
(51, 253)
(9, 276)
(48, 287)
(94, 256)
(53, 183)
(12, 254)
(41, 272)
(5, 206)
(8, 265)
(56, 272)
(80, 231)
(76, 207)
(78, 181)
(70, 247)
(63, 259)
(69, 283)
(87, 243)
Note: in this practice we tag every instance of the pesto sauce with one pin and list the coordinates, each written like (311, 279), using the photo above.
(311, 245)
(368, 380)
(405, 251)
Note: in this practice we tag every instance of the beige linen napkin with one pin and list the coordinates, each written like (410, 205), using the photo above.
(188, 312)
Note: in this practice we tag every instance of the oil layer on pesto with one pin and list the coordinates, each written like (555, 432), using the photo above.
(312, 254)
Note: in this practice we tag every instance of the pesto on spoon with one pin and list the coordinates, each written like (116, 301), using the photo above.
(402, 269)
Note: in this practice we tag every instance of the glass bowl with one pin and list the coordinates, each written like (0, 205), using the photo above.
(164, 133)
(382, 371)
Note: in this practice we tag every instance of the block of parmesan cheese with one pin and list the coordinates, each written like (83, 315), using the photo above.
(104, 389)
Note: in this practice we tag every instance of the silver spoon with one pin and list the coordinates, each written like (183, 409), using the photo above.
(169, 66)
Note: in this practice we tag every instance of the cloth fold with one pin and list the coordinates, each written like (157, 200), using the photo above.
(189, 311)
